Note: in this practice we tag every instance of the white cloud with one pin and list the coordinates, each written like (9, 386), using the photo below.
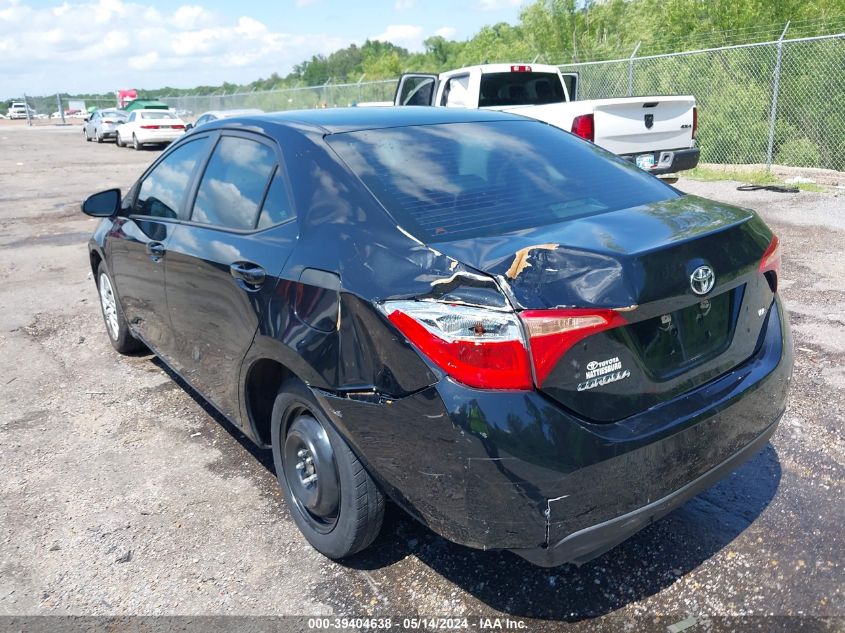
(447, 31)
(130, 44)
(404, 5)
(407, 35)
(497, 5)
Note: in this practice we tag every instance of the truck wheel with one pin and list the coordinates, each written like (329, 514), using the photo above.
(333, 500)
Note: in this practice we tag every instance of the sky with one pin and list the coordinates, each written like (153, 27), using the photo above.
(102, 45)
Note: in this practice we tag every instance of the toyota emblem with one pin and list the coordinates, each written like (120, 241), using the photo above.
(702, 280)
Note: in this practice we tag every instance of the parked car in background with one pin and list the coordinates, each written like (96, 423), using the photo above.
(18, 110)
(148, 127)
(102, 124)
(522, 339)
(216, 115)
(655, 132)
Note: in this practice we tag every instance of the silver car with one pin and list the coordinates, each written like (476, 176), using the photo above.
(214, 115)
(102, 124)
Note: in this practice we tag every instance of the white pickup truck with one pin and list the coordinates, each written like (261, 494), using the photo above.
(656, 133)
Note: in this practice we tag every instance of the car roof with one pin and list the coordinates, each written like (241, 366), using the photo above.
(234, 112)
(338, 120)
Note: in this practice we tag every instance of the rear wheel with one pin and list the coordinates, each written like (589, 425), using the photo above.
(138, 146)
(119, 141)
(116, 327)
(85, 134)
(99, 136)
(333, 500)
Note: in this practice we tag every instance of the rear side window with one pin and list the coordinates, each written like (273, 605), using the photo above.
(277, 207)
(163, 191)
(466, 180)
(234, 183)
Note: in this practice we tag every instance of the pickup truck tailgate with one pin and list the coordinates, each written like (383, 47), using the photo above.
(628, 125)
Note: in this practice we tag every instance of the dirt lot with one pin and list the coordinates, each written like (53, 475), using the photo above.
(122, 493)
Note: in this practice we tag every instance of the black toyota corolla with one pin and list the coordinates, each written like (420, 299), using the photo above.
(521, 339)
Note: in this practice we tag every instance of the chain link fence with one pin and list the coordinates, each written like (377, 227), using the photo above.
(326, 96)
(780, 102)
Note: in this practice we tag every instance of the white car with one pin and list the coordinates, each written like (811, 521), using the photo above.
(102, 124)
(19, 110)
(150, 127)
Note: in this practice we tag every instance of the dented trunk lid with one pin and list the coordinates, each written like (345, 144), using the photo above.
(638, 261)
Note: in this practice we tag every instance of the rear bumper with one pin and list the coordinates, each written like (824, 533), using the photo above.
(514, 470)
(671, 161)
(155, 136)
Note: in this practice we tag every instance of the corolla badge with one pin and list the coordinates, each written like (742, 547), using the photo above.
(702, 280)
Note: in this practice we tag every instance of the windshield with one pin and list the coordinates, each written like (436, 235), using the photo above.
(520, 88)
(157, 115)
(466, 180)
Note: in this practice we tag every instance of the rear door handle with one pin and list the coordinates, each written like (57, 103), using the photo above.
(155, 250)
(250, 274)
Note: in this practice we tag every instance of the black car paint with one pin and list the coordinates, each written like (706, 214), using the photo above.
(488, 469)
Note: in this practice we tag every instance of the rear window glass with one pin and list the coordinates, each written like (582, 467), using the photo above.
(157, 115)
(465, 180)
(520, 88)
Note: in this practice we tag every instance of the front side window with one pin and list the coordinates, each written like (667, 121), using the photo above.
(234, 183)
(468, 180)
(165, 189)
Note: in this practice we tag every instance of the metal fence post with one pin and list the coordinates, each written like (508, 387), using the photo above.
(61, 110)
(26, 107)
(775, 90)
(631, 70)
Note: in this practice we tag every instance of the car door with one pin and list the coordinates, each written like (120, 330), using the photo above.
(415, 89)
(136, 247)
(223, 264)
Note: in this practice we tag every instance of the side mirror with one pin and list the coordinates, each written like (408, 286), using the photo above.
(189, 126)
(102, 205)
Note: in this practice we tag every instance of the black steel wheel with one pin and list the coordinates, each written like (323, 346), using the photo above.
(331, 497)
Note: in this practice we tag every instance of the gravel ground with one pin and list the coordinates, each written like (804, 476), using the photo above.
(122, 493)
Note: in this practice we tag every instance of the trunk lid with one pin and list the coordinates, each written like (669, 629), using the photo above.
(625, 126)
(639, 262)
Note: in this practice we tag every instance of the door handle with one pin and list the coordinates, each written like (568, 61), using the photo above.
(155, 250)
(248, 273)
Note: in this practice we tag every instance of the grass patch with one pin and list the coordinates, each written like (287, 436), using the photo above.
(747, 176)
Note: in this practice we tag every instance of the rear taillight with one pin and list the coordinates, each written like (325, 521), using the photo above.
(177, 127)
(553, 332)
(479, 347)
(521, 68)
(486, 348)
(584, 127)
(770, 263)
(109, 121)
(695, 121)
(150, 127)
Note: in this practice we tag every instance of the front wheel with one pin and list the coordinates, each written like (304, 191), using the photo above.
(333, 500)
(116, 327)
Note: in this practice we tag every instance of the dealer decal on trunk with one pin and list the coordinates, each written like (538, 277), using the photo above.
(603, 372)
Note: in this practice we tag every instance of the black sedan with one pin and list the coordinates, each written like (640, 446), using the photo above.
(521, 339)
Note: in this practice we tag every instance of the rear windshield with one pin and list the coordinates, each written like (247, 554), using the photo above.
(465, 180)
(157, 115)
(520, 88)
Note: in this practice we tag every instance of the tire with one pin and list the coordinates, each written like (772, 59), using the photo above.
(85, 134)
(138, 146)
(119, 141)
(99, 137)
(354, 521)
(116, 327)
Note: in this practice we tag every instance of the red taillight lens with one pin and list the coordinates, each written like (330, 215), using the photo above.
(695, 121)
(553, 332)
(479, 347)
(149, 127)
(521, 69)
(108, 121)
(584, 127)
(770, 263)
(178, 127)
